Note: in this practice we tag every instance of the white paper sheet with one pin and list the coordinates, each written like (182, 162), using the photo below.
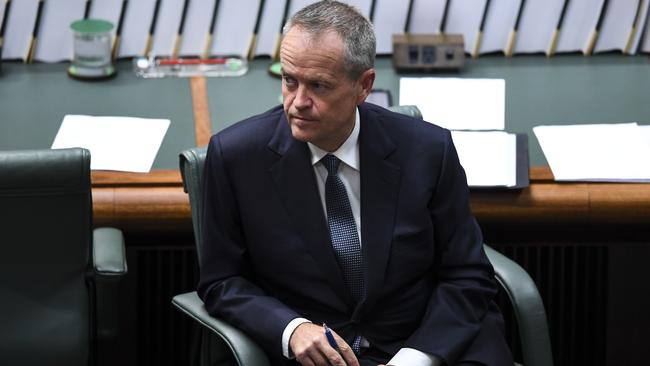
(18, 32)
(488, 157)
(500, 20)
(115, 143)
(55, 36)
(538, 21)
(457, 103)
(580, 20)
(596, 152)
(645, 133)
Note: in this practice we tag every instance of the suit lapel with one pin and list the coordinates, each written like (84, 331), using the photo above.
(380, 180)
(294, 179)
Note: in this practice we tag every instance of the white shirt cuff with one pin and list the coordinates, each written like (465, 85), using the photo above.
(286, 335)
(413, 357)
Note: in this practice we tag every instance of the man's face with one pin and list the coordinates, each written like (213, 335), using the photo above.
(320, 99)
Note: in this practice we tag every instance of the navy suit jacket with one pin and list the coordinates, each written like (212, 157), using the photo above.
(266, 254)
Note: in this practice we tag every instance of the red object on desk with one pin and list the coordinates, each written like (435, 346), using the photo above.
(192, 61)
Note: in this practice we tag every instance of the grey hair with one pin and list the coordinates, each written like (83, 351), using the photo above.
(355, 30)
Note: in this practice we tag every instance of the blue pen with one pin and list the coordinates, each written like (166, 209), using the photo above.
(330, 337)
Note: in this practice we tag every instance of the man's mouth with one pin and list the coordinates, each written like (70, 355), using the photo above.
(301, 119)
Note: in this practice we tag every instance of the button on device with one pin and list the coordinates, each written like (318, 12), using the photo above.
(414, 54)
(428, 55)
(449, 54)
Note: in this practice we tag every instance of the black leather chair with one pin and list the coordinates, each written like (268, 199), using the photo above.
(50, 258)
(222, 344)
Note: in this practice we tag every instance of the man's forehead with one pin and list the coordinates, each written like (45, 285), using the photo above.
(327, 35)
(299, 55)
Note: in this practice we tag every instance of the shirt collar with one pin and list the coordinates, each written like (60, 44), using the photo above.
(348, 152)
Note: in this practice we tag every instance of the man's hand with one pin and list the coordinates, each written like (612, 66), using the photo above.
(309, 344)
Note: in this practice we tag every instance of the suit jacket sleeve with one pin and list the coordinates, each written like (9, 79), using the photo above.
(465, 277)
(225, 270)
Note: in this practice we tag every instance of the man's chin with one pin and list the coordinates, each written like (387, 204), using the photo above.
(301, 135)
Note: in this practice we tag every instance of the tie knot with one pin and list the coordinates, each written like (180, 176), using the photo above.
(331, 163)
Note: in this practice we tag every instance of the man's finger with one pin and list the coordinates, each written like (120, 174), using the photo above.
(334, 357)
(346, 352)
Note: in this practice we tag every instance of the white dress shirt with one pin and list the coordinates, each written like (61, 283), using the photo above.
(349, 173)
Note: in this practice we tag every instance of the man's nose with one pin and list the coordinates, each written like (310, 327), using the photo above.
(302, 99)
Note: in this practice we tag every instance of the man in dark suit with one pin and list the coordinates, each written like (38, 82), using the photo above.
(331, 210)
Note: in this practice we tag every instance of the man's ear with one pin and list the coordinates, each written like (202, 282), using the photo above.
(366, 81)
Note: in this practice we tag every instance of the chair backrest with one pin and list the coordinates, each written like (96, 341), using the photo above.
(45, 235)
(191, 165)
(527, 306)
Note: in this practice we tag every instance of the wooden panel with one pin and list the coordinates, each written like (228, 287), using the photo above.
(156, 201)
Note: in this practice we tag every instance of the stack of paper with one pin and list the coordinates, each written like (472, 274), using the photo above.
(602, 152)
(457, 103)
(115, 143)
(473, 106)
(488, 157)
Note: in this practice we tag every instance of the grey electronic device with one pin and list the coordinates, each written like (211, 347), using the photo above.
(428, 52)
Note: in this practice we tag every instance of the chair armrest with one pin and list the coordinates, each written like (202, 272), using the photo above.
(245, 350)
(528, 308)
(109, 256)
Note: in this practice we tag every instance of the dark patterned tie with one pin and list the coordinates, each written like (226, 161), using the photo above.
(343, 232)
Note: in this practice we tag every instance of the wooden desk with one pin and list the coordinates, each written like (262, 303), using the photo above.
(156, 202)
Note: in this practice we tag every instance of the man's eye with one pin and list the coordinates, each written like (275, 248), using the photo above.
(319, 86)
(289, 80)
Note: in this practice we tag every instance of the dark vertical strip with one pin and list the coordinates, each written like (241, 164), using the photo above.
(118, 31)
(643, 31)
(601, 16)
(371, 15)
(445, 15)
(253, 42)
(484, 16)
(560, 20)
(87, 9)
(519, 14)
(215, 12)
(208, 40)
(3, 26)
(409, 14)
(35, 31)
(152, 29)
(258, 19)
(154, 19)
(181, 26)
(120, 22)
(285, 14)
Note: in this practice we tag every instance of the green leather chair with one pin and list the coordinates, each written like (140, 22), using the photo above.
(51, 258)
(222, 344)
